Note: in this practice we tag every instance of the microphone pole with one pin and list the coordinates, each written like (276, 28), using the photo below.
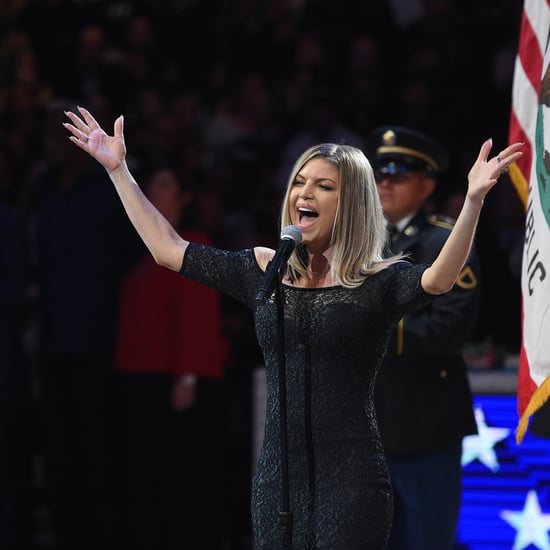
(285, 513)
(290, 237)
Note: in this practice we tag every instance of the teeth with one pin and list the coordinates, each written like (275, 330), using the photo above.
(301, 209)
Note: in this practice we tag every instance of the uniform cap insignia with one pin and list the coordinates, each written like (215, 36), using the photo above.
(389, 138)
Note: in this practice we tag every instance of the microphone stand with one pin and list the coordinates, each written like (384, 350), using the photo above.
(285, 514)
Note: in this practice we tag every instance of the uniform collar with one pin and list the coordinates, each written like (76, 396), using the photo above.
(403, 222)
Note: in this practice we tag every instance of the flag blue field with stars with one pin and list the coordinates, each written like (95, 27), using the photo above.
(506, 486)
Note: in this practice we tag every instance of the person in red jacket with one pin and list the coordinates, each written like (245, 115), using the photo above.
(170, 355)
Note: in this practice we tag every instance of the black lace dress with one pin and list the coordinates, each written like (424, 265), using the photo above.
(339, 488)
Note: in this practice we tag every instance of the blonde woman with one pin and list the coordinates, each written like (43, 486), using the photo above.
(341, 298)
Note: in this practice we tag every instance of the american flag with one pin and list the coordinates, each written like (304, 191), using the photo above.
(530, 123)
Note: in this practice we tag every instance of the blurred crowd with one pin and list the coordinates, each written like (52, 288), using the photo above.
(227, 93)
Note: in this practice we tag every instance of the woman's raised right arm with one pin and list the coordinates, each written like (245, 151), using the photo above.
(165, 244)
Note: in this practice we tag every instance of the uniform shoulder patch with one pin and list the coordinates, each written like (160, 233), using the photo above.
(467, 279)
(441, 221)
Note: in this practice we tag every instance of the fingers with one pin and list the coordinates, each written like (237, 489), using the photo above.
(119, 127)
(487, 170)
(78, 134)
(511, 153)
(503, 164)
(80, 130)
(486, 147)
(500, 164)
(77, 121)
(82, 144)
(505, 157)
(508, 156)
(90, 120)
(510, 150)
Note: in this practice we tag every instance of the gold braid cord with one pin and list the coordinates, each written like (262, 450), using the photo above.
(519, 182)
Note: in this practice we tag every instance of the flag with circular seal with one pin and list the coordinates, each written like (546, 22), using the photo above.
(530, 122)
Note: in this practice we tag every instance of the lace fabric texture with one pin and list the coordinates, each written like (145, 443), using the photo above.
(335, 339)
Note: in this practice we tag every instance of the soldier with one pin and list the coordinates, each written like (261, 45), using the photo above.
(423, 398)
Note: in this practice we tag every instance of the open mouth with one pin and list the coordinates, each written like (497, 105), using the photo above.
(306, 216)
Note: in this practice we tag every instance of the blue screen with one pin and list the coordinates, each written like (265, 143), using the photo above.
(506, 486)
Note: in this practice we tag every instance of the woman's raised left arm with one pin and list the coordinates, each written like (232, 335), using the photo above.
(442, 274)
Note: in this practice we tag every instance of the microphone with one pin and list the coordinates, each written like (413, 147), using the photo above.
(291, 236)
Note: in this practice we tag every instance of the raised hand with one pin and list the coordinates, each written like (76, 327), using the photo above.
(87, 134)
(485, 172)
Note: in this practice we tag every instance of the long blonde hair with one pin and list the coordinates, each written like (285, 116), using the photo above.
(359, 232)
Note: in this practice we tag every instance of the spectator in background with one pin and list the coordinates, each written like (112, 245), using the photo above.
(423, 399)
(170, 354)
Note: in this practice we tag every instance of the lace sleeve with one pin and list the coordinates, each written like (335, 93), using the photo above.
(408, 292)
(235, 274)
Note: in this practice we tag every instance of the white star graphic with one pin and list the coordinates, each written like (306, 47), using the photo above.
(481, 445)
(531, 525)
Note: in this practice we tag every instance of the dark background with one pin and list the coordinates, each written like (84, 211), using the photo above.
(228, 91)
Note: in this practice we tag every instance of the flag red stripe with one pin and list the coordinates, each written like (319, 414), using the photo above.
(529, 52)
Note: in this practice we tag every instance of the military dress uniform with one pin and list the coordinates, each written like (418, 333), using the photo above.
(426, 352)
(423, 398)
(423, 401)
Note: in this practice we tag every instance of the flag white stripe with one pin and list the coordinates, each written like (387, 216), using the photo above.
(538, 14)
(524, 98)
